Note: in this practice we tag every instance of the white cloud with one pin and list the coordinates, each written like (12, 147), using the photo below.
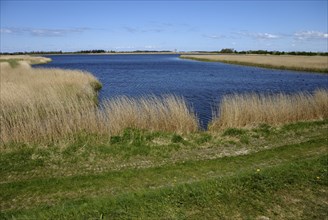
(259, 35)
(265, 36)
(215, 37)
(143, 30)
(5, 31)
(42, 32)
(306, 35)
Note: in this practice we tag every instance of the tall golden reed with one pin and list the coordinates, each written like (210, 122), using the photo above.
(302, 63)
(249, 110)
(51, 104)
(168, 113)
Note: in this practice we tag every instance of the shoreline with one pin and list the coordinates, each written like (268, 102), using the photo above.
(217, 58)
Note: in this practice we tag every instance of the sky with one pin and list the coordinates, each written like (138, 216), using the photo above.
(163, 25)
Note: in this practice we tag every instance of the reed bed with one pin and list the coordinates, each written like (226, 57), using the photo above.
(168, 113)
(26, 58)
(40, 105)
(301, 63)
(248, 110)
(45, 105)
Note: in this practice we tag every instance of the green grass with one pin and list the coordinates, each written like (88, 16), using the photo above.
(12, 62)
(233, 132)
(277, 172)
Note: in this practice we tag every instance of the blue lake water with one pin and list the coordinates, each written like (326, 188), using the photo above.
(202, 84)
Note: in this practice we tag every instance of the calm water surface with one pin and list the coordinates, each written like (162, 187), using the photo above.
(202, 84)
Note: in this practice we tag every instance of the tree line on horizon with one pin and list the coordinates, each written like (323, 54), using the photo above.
(222, 51)
(274, 52)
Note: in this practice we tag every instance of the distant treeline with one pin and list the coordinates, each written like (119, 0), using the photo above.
(304, 53)
(32, 52)
(225, 51)
(91, 51)
(84, 51)
(56, 52)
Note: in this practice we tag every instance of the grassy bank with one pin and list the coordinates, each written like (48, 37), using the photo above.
(288, 62)
(273, 172)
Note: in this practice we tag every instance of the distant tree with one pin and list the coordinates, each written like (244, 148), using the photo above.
(227, 50)
(91, 51)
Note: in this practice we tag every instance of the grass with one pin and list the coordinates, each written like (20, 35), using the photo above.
(299, 63)
(14, 60)
(242, 110)
(282, 175)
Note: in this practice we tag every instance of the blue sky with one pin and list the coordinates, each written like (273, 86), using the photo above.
(164, 25)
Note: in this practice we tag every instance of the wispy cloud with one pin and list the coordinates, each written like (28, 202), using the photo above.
(131, 29)
(259, 35)
(56, 32)
(214, 37)
(42, 32)
(310, 35)
(6, 31)
(266, 36)
(144, 30)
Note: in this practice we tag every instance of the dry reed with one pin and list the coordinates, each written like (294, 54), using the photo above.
(51, 104)
(302, 63)
(252, 109)
(26, 58)
(42, 105)
(169, 113)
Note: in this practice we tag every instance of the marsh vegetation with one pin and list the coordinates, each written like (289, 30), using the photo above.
(299, 63)
(51, 104)
(247, 110)
(14, 60)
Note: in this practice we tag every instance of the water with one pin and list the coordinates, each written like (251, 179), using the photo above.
(202, 84)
